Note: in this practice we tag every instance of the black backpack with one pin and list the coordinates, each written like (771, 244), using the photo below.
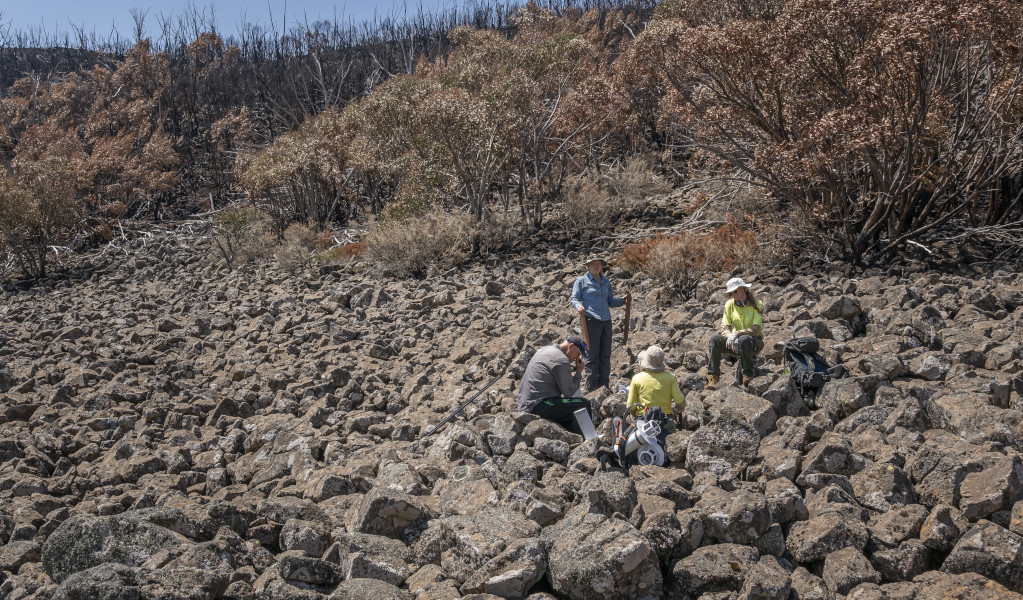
(808, 372)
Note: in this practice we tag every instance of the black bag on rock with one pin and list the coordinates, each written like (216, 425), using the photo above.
(808, 372)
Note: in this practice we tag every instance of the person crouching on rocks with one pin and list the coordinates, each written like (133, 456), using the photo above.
(655, 387)
(742, 333)
(593, 297)
(550, 383)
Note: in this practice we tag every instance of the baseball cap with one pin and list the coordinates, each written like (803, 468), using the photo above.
(578, 342)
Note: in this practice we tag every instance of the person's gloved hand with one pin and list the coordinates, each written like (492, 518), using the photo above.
(733, 342)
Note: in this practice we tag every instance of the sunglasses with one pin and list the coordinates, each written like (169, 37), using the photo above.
(581, 346)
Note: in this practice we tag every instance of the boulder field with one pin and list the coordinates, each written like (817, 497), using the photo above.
(172, 430)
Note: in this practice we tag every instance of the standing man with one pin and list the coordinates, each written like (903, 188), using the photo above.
(550, 383)
(593, 297)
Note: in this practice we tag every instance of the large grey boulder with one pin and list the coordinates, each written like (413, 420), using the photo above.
(360, 588)
(738, 517)
(939, 585)
(807, 586)
(757, 411)
(891, 528)
(843, 397)
(478, 538)
(111, 581)
(846, 568)
(365, 556)
(975, 419)
(725, 446)
(903, 563)
(997, 487)
(785, 502)
(387, 512)
(710, 569)
(815, 539)
(766, 580)
(311, 537)
(883, 487)
(86, 541)
(943, 527)
(991, 551)
(592, 556)
(611, 492)
(512, 573)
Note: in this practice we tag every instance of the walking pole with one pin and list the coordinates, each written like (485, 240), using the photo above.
(628, 319)
(586, 332)
(461, 407)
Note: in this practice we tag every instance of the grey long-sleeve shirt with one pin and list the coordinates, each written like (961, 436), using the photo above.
(549, 374)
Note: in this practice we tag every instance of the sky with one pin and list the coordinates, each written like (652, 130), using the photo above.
(101, 15)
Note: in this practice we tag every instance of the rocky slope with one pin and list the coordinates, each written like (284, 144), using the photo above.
(172, 430)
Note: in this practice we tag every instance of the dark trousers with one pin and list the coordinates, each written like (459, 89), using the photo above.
(749, 347)
(598, 358)
(562, 411)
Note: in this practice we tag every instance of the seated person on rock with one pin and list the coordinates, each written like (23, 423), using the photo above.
(742, 333)
(655, 387)
(550, 385)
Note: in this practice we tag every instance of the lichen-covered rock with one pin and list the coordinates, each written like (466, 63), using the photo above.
(512, 573)
(766, 580)
(943, 527)
(807, 586)
(611, 492)
(991, 551)
(725, 446)
(360, 588)
(846, 568)
(896, 526)
(311, 537)
(387, 512)
(738, 517)
(994, 488)
(592, 556)
(883, 487)
(86, 541)
(902, 563)
(815, 539)
(785, 502)
(480, 537)
(365, 556)
(709, 569)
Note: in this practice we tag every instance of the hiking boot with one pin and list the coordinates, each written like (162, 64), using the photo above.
(712, 382)
(746, 381)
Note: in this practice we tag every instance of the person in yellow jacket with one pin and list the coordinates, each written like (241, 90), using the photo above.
(741, 334)
(654, 387)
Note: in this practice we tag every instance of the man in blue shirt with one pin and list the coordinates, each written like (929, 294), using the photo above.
(593, 297)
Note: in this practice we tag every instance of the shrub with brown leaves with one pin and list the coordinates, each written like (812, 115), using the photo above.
(297, 245)
(679, 262)
(408, 247)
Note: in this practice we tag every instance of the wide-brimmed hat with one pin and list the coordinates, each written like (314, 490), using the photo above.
(735, 283)
(652, 359)
(593, 257)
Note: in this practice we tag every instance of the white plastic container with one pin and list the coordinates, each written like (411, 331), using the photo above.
(646, 434)
(582, 416)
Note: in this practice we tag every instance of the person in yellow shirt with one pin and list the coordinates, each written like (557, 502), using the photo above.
(741, 334)
(655, 387)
